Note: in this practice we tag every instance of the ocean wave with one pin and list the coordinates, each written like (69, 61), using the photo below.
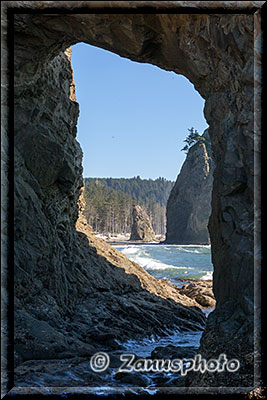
(151, 264)
(172, 261)
(130, 250)
(207, 276)
(192, 251)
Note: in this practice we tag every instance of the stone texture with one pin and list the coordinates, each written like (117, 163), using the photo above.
(189, 204)
(200, 291)
(141, 227)
(54, 278)
(172, 352)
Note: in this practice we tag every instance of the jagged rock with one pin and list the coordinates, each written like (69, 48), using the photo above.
(141, 227)
(189, 204)
(201, 291)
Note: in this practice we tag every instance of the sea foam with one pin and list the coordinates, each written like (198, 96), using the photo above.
(153, 264)
(172, 261)
(207, 276)
(143, 258)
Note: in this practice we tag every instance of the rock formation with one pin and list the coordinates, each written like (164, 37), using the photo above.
(200, 291)
(189, 204)
(60, 279)
(141, 227)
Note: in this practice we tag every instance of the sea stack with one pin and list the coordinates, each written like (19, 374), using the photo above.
(141, 227)
(189, 204)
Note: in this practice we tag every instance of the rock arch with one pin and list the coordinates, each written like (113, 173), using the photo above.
(216, 53)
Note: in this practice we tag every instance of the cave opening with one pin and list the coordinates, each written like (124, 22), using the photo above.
(132, 125)
(216, 52)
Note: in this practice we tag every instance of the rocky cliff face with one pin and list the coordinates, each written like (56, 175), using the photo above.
(189, 204)
(141, 227)
(56, 281)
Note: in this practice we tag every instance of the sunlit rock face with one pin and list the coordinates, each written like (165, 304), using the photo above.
(141, 227)
(215, 52)
(189, 204)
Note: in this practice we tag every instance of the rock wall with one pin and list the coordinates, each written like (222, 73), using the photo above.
(189, 204)
(141, 227)
(215, 52)
(48, 177)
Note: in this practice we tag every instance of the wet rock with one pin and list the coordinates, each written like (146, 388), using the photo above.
(132, 378)
(172, 352)
(72, 372)
(107, 339)
(161, 379)
(141, 227)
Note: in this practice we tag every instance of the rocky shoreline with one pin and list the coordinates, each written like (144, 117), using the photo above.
(77, 371)
(130, 304)
(134, 305)
(139, 314)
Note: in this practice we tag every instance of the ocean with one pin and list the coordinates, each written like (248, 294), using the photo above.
(172, 262)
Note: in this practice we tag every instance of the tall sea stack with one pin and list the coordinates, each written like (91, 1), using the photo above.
(189, 204)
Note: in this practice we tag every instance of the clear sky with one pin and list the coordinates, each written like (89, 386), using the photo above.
(133, 116)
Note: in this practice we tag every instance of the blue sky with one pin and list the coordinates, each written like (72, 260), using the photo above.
(133, 116)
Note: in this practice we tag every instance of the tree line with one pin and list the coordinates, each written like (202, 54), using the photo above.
(109, 203)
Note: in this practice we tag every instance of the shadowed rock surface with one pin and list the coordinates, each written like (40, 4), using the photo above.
(60, 279)
(141, 227)
(189, 204)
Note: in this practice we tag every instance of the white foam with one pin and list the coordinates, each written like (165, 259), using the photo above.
(130, 250)
(147, 257)
(192, 251)
(143, 258)
(150, 263)
(144, 347)
(207, 276)
(99, 235)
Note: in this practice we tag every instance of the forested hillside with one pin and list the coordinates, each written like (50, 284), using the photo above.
(109, 202)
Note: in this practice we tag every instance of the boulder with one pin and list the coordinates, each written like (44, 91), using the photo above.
(201, 292)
